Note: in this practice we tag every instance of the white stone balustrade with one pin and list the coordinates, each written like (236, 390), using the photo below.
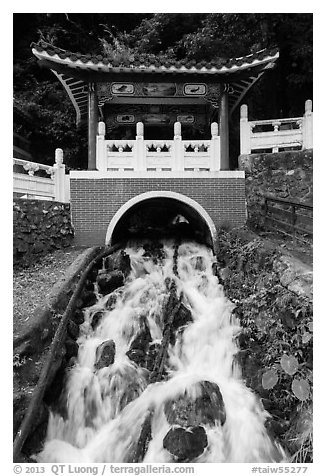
(27, 183)
(276, 134)
(174, 155)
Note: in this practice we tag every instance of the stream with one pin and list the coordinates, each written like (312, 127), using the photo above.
(156, 379)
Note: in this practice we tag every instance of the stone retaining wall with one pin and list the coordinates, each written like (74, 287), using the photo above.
(39, 227)
(286, 175)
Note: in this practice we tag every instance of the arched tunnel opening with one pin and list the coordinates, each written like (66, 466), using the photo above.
(161, 217)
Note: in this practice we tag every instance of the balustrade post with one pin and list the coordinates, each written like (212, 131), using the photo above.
(307, 126)
(178, 163)
(215, 150)
(101, 156)
(59, 176)
(139, 152)
(245, 130)
(276, 127)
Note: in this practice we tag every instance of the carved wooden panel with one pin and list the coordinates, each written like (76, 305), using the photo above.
(159, 89)
(122, 88)
(195, 89)
(209, 91)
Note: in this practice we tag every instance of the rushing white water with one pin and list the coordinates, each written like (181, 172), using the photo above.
(107, 408)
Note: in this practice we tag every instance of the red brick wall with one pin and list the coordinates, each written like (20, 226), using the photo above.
(95, 201)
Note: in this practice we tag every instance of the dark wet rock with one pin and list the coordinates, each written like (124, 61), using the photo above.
(207, 409)
(127, 383)
(168, 281)
(215, 269)
(139, 346)
(91, 408)
(154, 250)
(108, 282)
(182, 317)
(118, 261)
(78, 317)
(153, 351)
(72, 329)
(111, 302)
(142, 339)
(176, 314)
(89, 285)
(175, 260)
(71, 348)
(138, 356)
(181, 411)
(105, 354)
(89, 298)
(185, 444)
(171, 307)
(211, 405)
(199, 263)
(138, 453)
(71, 363)
(96, 319)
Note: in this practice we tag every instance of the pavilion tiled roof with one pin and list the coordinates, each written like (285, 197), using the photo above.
(73, 69)
(142, 62)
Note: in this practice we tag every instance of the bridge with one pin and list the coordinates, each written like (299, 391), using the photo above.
(154, 181)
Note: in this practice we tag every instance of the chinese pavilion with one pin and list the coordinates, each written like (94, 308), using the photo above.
(158, 141)
(122, 93)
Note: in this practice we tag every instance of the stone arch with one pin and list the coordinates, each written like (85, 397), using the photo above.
(188, 205)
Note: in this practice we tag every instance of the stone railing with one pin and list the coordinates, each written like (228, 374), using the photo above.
(275, 135)
(33, 180)
(157, 155)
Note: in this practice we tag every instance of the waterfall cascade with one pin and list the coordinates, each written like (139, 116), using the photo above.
(156, 378)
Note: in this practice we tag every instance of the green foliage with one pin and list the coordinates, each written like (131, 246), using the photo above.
(269, 379)
(161, 32)
(276, 342)
(175, 36)
(54, 126)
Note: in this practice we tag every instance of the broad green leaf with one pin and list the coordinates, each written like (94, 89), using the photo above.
(301, 389)
(306, 337)
(269, 379)
(310, 326)
(289, 364)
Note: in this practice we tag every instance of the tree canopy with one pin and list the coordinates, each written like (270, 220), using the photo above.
(200, 36)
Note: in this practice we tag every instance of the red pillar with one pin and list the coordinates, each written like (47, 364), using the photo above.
(92, 125)
(224, 128)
